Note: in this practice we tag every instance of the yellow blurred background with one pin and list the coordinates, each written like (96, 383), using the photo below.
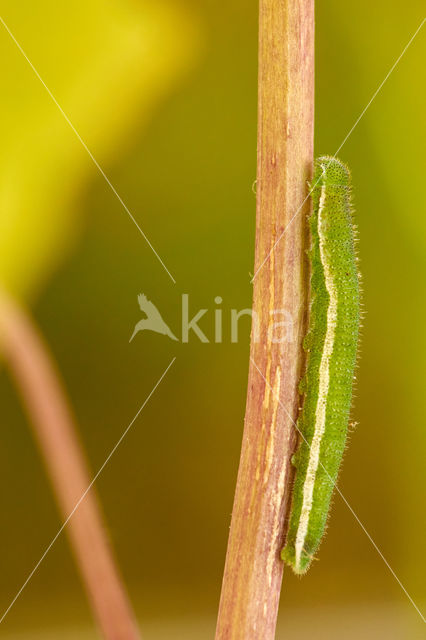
(163, 93)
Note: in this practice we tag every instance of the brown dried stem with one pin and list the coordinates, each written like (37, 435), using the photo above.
(253, 571)
(39, 386)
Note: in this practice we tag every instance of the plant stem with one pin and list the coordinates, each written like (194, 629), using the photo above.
(39, 386)
(253, 570)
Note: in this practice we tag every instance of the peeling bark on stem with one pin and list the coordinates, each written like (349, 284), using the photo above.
(38, 383)
(253, 571)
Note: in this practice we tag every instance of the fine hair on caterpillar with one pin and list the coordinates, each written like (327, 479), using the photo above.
(331, 351)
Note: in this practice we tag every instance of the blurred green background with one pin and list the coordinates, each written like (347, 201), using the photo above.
(164, 95)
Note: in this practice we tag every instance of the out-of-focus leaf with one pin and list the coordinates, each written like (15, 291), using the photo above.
(107, 64)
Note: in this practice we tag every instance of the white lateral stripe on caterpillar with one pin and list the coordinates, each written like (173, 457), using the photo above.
(330, 345)
(324, 384)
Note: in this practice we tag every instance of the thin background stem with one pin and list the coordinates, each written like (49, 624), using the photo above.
(253, 570)
(55, 432)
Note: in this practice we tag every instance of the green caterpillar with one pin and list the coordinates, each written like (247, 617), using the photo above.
(331, 348)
